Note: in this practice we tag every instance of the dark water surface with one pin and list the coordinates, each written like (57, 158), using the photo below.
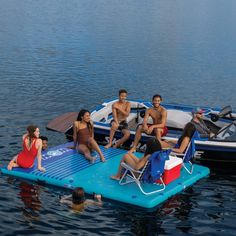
(58, 56)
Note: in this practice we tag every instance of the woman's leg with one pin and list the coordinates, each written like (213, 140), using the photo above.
(128, 158)
(94, 146)
(85, 150)
(13, 163)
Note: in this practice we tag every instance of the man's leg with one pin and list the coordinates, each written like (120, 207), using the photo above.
(113, 129)
(137, 137)
(126, 135)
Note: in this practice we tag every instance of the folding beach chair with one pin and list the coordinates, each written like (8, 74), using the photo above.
(189, 153)
(150, 173)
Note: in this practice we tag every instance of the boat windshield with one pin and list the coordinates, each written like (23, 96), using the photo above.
(227, 133)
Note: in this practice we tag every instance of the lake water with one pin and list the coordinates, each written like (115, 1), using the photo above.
(59, 56)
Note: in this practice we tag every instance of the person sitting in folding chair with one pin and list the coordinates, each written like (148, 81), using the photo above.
(183, 141)
(185, 146)
(153, 145)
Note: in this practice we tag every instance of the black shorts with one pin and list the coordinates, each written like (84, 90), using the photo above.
(122, 125)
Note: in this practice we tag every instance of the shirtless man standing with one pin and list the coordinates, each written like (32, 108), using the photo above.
(120, 112)
(158, 128)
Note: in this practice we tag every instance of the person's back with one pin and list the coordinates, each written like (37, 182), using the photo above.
(32, 147)
(27, 156)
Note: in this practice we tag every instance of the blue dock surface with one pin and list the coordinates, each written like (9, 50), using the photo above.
(68, 169)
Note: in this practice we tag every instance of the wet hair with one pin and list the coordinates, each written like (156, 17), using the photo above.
(80, 117)
(156, 96)
(78, 196)
(43, 138)
(122, 91)
(153, 145)
(31, 129)
(188, 131)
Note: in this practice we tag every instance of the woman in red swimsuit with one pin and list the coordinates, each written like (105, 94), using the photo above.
(83, 136)
(32, 147)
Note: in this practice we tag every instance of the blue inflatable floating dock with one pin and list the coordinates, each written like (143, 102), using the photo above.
(68, 169)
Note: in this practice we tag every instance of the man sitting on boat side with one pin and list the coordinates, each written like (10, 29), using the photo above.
(200, 125)
(158, 128)
(120, 112)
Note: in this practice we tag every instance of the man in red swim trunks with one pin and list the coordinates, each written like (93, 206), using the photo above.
(158, 127)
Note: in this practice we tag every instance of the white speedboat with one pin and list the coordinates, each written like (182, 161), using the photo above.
(221, 121)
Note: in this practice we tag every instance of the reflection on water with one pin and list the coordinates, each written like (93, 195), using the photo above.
(188, 213)
(29, 195)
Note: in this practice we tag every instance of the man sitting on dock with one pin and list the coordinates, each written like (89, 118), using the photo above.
(158, 127)
(120, 112)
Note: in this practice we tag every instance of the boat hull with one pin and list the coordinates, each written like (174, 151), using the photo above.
(209, 150)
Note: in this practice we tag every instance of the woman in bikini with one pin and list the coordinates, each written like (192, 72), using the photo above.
(83, 136)
(32, 147)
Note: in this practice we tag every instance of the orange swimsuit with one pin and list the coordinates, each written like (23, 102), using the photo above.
(26, 157)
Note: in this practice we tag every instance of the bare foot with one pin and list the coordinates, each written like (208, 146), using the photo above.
(102, 158)
(41, 169)
(11, 165)
(115, 177)
(132, 150)
(91, 159)
(108, 145)
(115, 146)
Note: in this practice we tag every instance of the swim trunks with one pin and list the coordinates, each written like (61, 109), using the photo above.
(122, 125)
(165, 130)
